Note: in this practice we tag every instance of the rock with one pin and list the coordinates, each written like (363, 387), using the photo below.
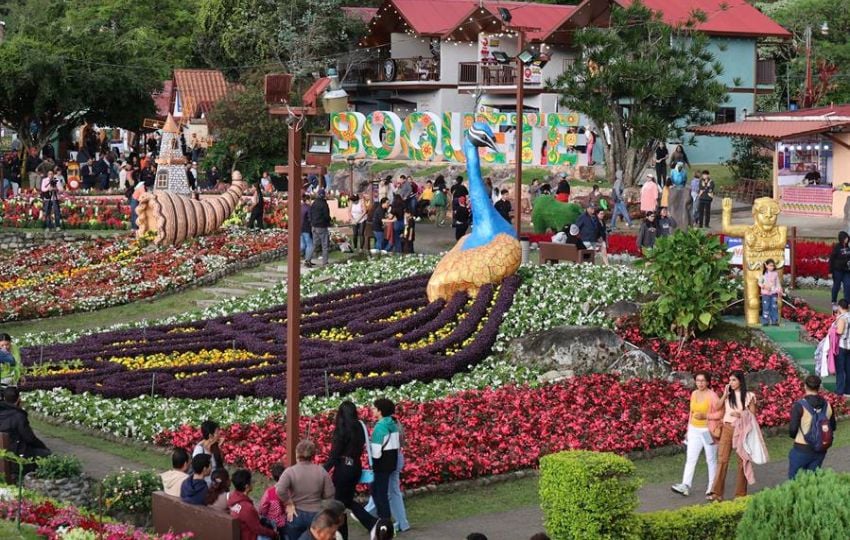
(766, 378)
(550, 377)
(637, 364)
(684, 378)
(622, 308)
(568, 350)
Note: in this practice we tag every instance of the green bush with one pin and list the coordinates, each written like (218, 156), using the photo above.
(588, 495)
(690, 272)
(702, 522)
(814, 505)
(56, 467)
(130, 491)
(549, 213)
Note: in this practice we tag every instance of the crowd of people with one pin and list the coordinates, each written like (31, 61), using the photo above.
(308, 501)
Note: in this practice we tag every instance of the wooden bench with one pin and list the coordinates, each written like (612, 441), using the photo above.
(551, 252)
(172, 514)
(7, 468)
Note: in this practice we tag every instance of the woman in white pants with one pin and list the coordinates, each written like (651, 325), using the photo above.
(706, 409)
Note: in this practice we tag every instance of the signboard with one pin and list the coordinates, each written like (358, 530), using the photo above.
(532, 74)
(547, 139)
(152, 123)
(735, 246)
(487, 45)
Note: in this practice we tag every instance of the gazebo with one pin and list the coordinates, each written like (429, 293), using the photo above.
(811, 156)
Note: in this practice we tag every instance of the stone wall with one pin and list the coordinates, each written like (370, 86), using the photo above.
(17, 240)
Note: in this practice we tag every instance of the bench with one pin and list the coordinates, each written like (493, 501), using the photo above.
(551, 252)
(172, 514)
(7, 468)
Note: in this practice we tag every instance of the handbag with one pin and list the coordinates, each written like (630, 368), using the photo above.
(367, 476)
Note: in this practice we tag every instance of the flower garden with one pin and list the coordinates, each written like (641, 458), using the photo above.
(59, 279)
(367, 332)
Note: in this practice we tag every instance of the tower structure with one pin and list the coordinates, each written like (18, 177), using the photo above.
(171, 163)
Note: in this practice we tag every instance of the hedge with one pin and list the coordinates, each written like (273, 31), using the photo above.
(588, 495)
(702, 522)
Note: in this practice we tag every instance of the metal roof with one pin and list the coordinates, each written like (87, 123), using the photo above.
(722, 17)
(772, 129)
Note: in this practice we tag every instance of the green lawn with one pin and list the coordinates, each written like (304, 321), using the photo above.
(720, 173)
(9, 531)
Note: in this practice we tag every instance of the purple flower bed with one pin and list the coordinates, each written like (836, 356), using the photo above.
(325, 365)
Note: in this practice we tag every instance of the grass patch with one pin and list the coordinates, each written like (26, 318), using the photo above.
(432, 170)
(9, 531)
(337, 166)
(382, 166)
(720, 173)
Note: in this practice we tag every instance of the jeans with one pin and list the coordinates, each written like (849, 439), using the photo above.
(460, 231)
(620, 209)
(133, 204)
(320, 236)
(398, 230)
(7, 185)
(769, 309)
(256, 219)
(380, 494)
(306, 242)
(696, 444)
(52, 214)
(801, 459)
(842, 367)
(301, 523)
(703, 213)
(380, 243)
(661, 172)
(839, 279)
(724, 452)
(396, 501)
(359, 239)
(345, 480)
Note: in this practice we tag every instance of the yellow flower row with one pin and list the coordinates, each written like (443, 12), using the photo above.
(400, 314)
(334, 334)
(191, 358)
(348, 376)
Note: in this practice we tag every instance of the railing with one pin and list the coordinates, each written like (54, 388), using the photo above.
(477, 74)
(766, 71)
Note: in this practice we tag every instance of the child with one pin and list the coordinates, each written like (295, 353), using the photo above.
(409, 233)
(503, 206)
(771, 289)
(219, 490)
(194, 488)
(271, 509)
(242, 508)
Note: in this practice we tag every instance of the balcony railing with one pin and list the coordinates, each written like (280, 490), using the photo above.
(478, 74)
(766, 71)
(401, 69)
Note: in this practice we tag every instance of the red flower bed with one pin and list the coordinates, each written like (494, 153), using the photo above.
(814, 323)
(494, 431)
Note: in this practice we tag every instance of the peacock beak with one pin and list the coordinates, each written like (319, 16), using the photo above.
(490, 143)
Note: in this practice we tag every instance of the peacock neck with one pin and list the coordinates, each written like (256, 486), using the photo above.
(482, 207)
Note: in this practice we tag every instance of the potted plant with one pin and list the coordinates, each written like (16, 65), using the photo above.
(61, 477)
(127, 496)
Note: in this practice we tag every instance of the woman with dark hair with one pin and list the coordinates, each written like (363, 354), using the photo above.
(706, 411)
(460, 218)
(219, 489)
(347, 445)
(397, 210)
(737, 402)
(213, 438)
(842, 359)
(839, 260)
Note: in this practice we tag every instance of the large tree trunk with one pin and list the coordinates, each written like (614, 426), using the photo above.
(621, 156)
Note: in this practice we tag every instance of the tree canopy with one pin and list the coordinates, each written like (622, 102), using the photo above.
(644, 80)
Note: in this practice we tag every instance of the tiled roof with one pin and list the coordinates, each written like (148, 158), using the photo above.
(723, 17)
(828, 110)
(770, 129)
(199, 89)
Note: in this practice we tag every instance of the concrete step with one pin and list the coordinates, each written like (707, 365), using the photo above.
(205, 303)
(228, 291)
(798, 351)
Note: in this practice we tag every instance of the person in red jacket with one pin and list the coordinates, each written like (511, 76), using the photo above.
(242, 508)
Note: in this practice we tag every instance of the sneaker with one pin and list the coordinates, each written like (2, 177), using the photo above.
(308, 264)
(681, 489)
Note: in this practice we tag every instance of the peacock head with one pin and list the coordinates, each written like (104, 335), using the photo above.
(480, 135)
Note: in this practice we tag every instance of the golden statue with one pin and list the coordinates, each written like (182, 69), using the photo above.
(763, 240)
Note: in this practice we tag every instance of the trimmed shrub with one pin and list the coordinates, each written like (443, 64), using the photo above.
(813, 505)
(702, 522)
(590, 495)
(57, 467)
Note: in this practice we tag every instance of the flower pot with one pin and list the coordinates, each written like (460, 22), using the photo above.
(76, 491)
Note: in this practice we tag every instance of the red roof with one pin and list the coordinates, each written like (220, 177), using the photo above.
(364, 14)
(831, 110)
(770, 129)
(723, 17)
(442, 17)
(199, 89)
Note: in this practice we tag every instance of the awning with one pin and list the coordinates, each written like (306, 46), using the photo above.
(772, 129)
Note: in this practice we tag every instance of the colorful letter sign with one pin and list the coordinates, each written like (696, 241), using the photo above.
(547, 139)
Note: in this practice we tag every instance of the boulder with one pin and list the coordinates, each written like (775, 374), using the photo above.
(765, 378)
(684, 378)
(680, 205)
(622, 308)
(568, 350)
(637, 364)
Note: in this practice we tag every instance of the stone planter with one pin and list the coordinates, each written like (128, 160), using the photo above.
(142, 521)
(76, 491)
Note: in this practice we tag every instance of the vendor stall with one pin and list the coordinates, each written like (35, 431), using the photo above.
(811, 156)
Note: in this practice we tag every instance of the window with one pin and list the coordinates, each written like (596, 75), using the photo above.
(724, 115)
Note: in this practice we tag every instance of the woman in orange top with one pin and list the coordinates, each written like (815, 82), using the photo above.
(705, 412)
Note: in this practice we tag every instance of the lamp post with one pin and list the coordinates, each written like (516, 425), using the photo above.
(350, 160)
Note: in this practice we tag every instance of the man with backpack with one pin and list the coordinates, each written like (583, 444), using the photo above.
(812, 427)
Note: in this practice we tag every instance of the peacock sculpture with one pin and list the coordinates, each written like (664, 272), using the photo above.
(175, 218)
(491, 252)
